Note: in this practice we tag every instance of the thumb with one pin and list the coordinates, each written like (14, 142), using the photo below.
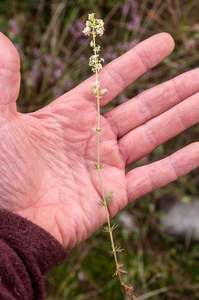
(9, 77)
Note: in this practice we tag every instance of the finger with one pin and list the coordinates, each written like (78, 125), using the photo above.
(9, 76)
(153, 102)
(121, 72)
(145, 179)
(143, 139)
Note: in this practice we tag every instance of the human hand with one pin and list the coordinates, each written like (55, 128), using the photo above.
(47, 157)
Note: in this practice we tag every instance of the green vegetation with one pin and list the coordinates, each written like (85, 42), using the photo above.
(54, 58)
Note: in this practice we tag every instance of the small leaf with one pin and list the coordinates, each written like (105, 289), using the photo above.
(109, 202)
(118, 249)
(116, 272)
(101, 203)
(100, 167)
(109, 197)
(106, 229)
(98, 129)
(122, 271)
(96, 166)
(114, 226)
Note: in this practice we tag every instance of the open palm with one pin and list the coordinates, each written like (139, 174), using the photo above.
(47, 157)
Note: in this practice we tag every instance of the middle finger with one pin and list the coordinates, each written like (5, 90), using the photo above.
(152, 102)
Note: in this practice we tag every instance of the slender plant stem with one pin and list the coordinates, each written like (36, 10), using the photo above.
(100, 177)
(95, 27)
(98, 164)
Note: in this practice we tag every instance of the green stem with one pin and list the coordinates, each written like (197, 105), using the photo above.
(99, 170)
(128, 290)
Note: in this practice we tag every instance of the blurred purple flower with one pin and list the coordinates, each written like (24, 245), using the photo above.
(125, 9)
(14, 29)
(149, 71)
(127, 45)
(131, 8)
(34, 74)
(59, 62)
(51, 80)
(57, 92)
(134, 23)
(21, 54)
(77, 28)
(82, 58)
(36, 52)
(139, 91)
(122, 98)
(114, 55)
(120, 46)
(46, 58)
(17, 46)
(102, 110)
(110, 53)
(133, 4)
(133, 43)
(129, 5)
(57, 73)
(81, 41)
(68, 83)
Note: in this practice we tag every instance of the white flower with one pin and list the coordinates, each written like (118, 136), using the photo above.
(94, 26)
(103, 91)
(97, 48)
(94, 84)
(101, 22)
(99, 30)
(96, 129)
(96, 68)
(93, 60)
(88, 23)
(92, 44)
(95, 63)
(87, 31)
(91, 17)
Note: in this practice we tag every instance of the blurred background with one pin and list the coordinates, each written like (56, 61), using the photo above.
(160, 231)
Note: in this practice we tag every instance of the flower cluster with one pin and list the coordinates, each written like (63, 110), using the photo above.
(95, 89)
(95, 48)
(95, 63)
(94, 26)
(94, 86)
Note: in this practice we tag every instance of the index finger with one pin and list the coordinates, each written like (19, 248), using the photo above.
(123, 71)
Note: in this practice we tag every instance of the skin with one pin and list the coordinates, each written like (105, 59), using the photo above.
(47, 157)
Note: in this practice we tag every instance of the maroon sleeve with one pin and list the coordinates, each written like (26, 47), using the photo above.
(27, 252)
